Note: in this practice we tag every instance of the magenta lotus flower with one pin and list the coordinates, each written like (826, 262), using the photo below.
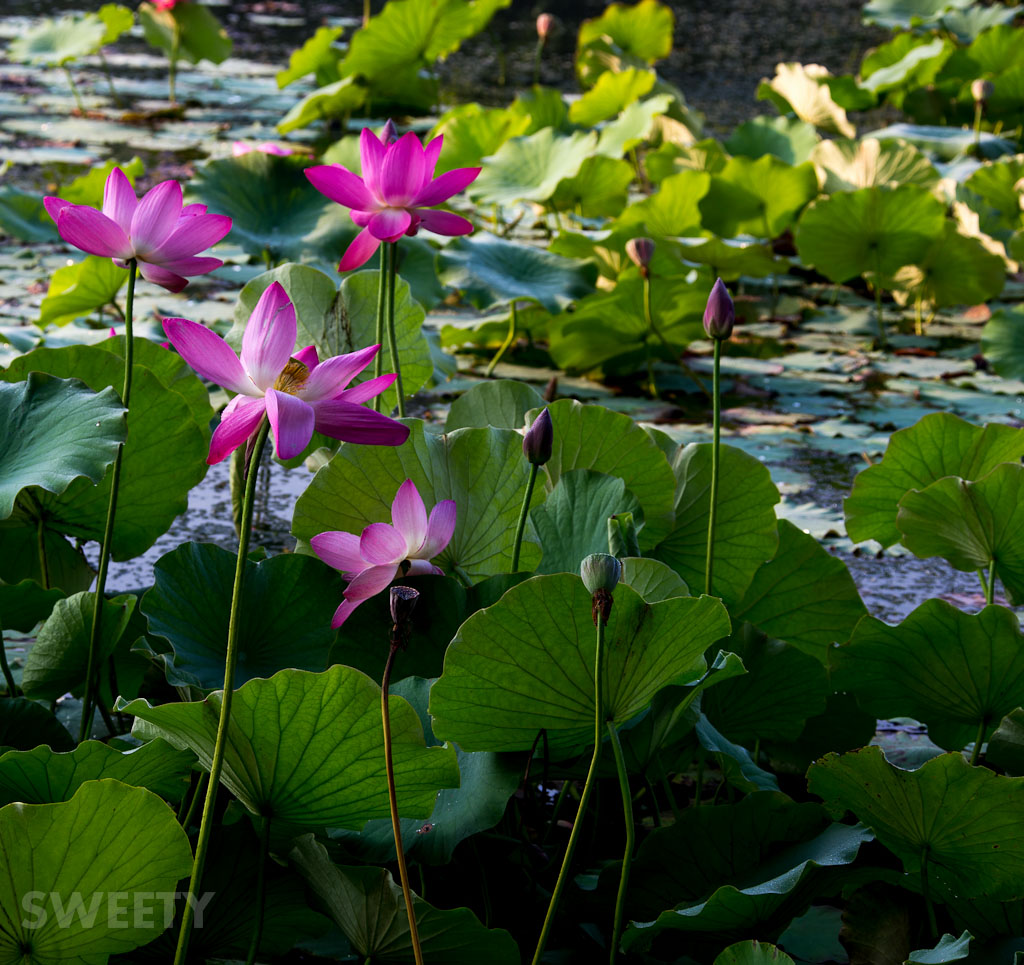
(157, 231)
(239, 148)
(299, 393)
(395, 193)
(371, 561)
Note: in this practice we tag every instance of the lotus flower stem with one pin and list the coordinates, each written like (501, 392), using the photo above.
(110, 79)
(918, 321)
(382, 297)
(978, 741)
(261, 890)
(95, 634)
(220, 745)
(509, 339)
(74, 90)
(44, 567)
(366, 12)
(588, 786)
(517, 545)
(627, 858)
(12, 687)
(391, 248)
(172, 70)
(990, 587)
(926, 894)
(716, 394)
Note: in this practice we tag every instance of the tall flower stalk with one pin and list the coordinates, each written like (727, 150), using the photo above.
(719, 318)
(537, 445)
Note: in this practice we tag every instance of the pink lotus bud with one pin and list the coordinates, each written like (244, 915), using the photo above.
(538, 440)
(544, 24)
(720, 315)
(982, 90)
(640, 251)
(389, 133)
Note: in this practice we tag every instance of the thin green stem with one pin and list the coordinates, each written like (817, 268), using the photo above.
(12, 687)
(92, 664)
(196, 798)
(536, 62)
(523, 513)
(977, 125)
(627, 858)
(220, 746)
(990, 587)
(172, 71)
(509, 339)
(392, 251)
(44, 568)
(110, 79)
(879, 321)
(588, 787)
(716, 394)
(918, 321)
(74, 91)
(979, 739)
(366, 12)
(667, 786)
(396, 827)
(926, 894)
(382, 297)
(261, 891)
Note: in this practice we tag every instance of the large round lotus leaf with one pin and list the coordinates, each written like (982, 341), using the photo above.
(56, 41)
(526, 664)
(593, 437)
(598, 190)
(26, 603)
(633, 126)
(72, 886)
(787, 138)
(55, 431)
(77, 290)
(992, 192)
(189, 30)
(804, 595)
(483, 470)
(906, 61)
(951, 670)
(318, 56)
(729, 258)
(287, 605)
(870, 230)
(502, 404)
(327, 726)
(643, 31)
(971, 524)
(673, 210)
(334, 100)
(24, 724)
(847, 165)
(472, 132)
(801, 88)
(164, 456)
(491, 271)
(940, 444)
(746, 534)
(1002, 341)
(960, 823)
(529, 168)
(43, 776)
(945, 143)
(737, 766)
(23, 216)
(753, 953)
(759, 198)
(368, 907)
(613, 92)
(339, 321)
(776, 857)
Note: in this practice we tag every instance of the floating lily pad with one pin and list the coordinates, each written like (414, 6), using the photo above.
(944, 142)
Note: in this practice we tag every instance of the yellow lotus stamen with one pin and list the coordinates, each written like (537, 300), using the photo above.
(293, 377)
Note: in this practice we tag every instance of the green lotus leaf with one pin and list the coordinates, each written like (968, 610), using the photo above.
(527, 663)
(572, 523)
(674, 209)
(970, 524)
(753, 953)
(318, 56)
(904, 14)
(746, 533)
(643, 30)
(76, 291)
(633, 126)
(24, 724)
(56, 430)
(367, 905)
(957, 673)
(848, 165)
(787, 138)
(1006, 745)
(734, 761)
(729, 258)
(906, 61)
(529, 168)
(870, 230)
(612, 93)
(843, 726)
(287, 605)
(802, 89)
(945, 143)
(708, 155)
(55, 42)
(542, 107)
(43, 776)
(949, 949)
(165, 452)
(472, 132)
(592, 437)
(1002, 341)
(992, 193)
(117, 19)
(599, 189)
(327, 726)
(804, 596)
(760, 198)
(939, 445)
(652, 579)
(491, 271)
(67, 568)
(72, 889)
(333, 100)
(23, 216)
(955, 823)
(777, 856)
(483, 470)
(188, 31)
(502, 404)
(26, 603)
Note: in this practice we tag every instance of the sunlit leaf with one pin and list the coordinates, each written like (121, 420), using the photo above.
(802, 89)
(78, 290)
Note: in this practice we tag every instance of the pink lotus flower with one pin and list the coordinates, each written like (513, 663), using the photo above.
(238, 148)
(371, 561)
(395, 193)
(162, 235)
(166, 4)
(298, 392)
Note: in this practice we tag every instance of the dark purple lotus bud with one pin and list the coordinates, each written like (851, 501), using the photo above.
(389, 133)
(720, 315)
(539, 439)
(982, 90)
(640, 251)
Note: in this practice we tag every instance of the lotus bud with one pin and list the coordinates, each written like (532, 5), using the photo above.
(544, 24)
(389, 133)
(538, 439)
(622, 537)
(640, 251)
(982, 90)
(403, 602)
(720, 315)
(600, 573)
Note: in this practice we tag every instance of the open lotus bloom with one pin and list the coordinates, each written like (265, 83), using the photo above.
(395, 193)
(298, 393)
(162, 235)
(372, 560)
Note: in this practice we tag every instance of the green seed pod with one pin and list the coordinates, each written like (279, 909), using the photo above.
(600, 571)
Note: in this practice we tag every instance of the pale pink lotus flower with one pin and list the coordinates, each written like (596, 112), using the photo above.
(298, 393)
(372, 560)
(238, 148)
(166, 4)
(395, 194)
(157, 231)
